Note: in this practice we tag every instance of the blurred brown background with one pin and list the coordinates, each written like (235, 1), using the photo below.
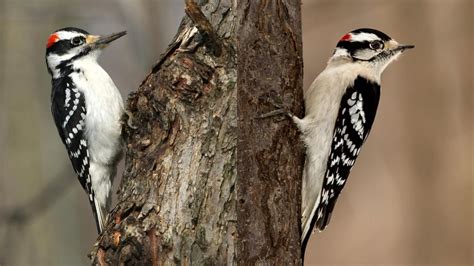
(409, 198)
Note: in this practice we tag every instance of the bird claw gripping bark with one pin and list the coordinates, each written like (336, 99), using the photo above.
(279, 110)
(188, 42)
(130, 119)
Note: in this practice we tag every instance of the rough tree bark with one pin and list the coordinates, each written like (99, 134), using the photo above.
(205, 182)
(269, 62)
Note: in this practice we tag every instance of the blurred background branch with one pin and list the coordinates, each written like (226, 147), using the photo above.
(52, 192)
(14, 219)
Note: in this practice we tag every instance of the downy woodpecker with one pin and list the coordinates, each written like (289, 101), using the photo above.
(340, 108)
(86, 107)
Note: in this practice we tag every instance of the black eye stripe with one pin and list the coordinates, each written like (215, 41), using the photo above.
(353, 46)
(60, 47)
(63, 46)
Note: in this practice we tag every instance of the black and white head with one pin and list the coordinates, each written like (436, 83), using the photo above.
(67, 45)
(370, 47)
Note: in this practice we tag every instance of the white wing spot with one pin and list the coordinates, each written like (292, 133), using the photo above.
(357, 113)
(338, 144)
(325, 195)
(320, 214)
(330, 179)
(68, 97)
(351, 103)
(340, 181)
(66, 120)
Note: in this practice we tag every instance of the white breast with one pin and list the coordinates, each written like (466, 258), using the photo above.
(104, 108)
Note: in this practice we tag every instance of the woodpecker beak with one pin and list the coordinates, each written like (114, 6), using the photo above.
(403, 47)
(393, 46)
(102, 41)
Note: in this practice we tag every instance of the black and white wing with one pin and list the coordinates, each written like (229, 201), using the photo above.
(69, 111)
(355, 118)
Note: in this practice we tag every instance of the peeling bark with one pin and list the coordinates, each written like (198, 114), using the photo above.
(206, 183)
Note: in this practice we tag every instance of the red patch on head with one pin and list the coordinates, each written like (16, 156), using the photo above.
(53, 38)
(346, 37)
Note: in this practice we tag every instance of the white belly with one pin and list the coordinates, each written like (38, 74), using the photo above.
(104, 108)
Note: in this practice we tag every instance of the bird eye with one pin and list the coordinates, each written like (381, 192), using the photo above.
(77, 41)
(376, 45)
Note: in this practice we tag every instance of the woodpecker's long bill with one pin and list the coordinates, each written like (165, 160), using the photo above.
(86, 107)
(340, 105)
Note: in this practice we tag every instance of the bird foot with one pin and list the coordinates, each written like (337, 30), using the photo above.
(280, 110)
(276, 112)
(188, 41)
(130, 119)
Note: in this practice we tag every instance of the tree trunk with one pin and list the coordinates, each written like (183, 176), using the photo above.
(269, 63)
(205, 181)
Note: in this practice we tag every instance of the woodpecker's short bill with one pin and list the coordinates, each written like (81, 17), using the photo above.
(86, 107)
(340, 109)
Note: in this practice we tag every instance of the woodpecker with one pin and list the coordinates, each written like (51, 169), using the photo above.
(340, 109)
(86, 107)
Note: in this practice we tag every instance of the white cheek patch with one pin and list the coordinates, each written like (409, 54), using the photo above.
(340, 52)
(54, 60)
(365, 54)
(363, 36)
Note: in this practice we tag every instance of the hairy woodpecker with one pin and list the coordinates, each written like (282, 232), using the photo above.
(86, 107)
(340, 108)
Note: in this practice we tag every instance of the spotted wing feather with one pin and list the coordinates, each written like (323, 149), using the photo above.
(356, 116)
(69, 111)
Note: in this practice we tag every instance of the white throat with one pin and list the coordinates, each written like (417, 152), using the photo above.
(54, 60)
